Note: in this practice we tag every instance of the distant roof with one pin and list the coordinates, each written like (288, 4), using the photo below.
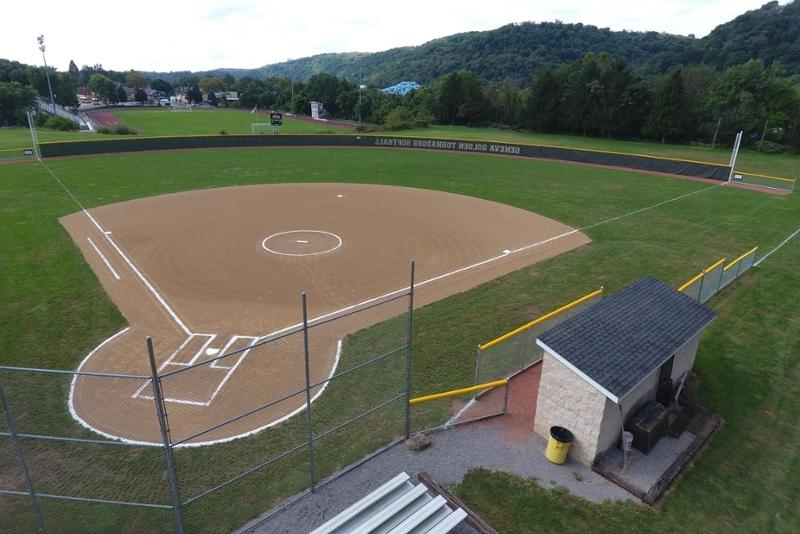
(620, 341)
(402, 88)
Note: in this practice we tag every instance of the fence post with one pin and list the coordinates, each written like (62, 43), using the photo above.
(309, 425)
(408, 353)
(700, 290)
(477, 369)
(162, 423)
(12, 429)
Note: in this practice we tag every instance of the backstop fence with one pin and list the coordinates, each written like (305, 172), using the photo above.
(320, 396)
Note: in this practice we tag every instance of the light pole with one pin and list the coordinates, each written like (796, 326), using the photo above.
(40, 40)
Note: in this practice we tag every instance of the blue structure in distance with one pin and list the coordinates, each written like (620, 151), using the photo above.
(402, 88)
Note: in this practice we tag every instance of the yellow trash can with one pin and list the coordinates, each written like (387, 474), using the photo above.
(558, 444)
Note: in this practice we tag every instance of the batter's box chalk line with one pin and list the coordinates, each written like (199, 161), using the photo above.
(216, 365)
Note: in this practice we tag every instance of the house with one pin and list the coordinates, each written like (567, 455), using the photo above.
(602, 365)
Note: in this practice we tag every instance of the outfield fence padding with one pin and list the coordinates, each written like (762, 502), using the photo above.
(639, 162)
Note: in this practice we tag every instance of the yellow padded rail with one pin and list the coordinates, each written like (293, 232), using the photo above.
(540, 320)
(456, 392)
(740, 258)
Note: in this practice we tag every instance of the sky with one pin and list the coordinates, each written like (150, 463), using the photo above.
(204, 35)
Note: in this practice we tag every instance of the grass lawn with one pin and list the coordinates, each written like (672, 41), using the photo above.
(161, 122)
(52, 311)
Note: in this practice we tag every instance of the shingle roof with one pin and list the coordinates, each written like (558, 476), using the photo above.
(618, 342)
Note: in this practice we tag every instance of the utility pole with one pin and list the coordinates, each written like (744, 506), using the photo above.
(714, 141)
(40, 40)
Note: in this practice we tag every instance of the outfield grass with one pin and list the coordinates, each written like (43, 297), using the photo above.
(53, 310)
(210, 122)
(162, 122)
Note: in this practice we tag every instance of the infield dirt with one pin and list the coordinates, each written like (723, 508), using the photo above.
(210, 271)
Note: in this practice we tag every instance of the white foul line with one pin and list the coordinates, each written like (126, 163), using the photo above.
(102, 257)
(107, 235)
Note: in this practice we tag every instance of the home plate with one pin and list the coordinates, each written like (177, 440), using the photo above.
(211, 352)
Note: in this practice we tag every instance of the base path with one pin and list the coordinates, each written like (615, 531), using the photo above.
(212, 271)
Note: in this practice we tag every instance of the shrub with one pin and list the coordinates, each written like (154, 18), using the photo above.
(103, 130)
(223, 132)
(60, 123)
(398, 119)
(770, 147)
(124, 129)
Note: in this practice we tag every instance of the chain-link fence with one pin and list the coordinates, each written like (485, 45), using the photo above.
(496, 362)
(515, 351)
(716, 276)
(764, 180)
(308, 403)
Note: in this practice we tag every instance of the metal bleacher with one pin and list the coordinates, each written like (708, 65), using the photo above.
(397, 507)
(81, 119)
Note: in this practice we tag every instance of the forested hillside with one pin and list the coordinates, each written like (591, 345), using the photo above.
(516, 51)
(771, 33)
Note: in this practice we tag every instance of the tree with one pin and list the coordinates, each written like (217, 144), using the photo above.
(15, 100)
(134, 80)
(212, 98)
(162, 86)
(122, 96)
(543, 105)
(140, 96)
(211, 83)
(508, 103)
(194, 95)
(301, 103)
(104, 87)
(669, 116)
(74, 73)
(748, 95)
(325, 88)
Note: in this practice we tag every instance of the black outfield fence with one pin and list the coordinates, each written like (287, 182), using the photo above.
(640, 162)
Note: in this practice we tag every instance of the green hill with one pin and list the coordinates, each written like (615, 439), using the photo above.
(771, 32)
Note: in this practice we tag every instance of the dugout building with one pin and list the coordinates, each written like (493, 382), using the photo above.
(601, 366)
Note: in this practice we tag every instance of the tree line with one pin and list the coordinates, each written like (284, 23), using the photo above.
(598, 95)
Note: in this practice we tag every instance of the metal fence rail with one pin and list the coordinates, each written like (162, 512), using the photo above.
(716, 276)
(60, 476)
(515, 351)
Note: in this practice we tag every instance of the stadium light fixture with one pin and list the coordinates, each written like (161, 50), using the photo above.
(40, 40)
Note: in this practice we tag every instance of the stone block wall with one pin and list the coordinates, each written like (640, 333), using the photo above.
(565, 399)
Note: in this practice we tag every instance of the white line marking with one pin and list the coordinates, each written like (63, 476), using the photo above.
(110, 268)
(768, 254)
(71, 398)
(242, 356)
(338, 244)
(107, 235)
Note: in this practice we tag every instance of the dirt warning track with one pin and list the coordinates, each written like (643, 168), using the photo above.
(214, 271)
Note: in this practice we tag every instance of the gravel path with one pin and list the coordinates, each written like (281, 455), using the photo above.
(452, 453)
